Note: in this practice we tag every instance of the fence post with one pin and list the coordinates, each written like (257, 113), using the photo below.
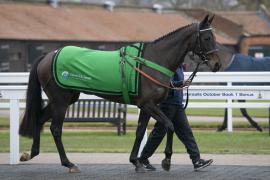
(229, 107)
(269, 120)
(14, 131)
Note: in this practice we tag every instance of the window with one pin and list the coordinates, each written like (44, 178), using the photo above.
(4, 57)
(259, 51)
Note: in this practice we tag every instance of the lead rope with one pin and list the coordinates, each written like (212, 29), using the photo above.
(145, 74)
(191, 77)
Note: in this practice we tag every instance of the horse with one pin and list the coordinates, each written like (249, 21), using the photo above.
(240, 62)
(230, 62)
(158, 61)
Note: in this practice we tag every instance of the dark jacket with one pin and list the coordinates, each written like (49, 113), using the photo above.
(176, 97)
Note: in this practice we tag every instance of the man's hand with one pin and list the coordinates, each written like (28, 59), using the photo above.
(181, 84)
(187, 83)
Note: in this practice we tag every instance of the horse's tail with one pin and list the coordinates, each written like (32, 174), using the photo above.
(34, 103)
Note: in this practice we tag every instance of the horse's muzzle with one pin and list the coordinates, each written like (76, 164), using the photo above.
(216, 67)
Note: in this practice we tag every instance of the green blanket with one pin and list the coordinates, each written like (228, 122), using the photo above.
(94, 71)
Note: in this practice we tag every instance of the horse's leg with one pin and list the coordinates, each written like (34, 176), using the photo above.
(154, 111)
(166, 162)
(141, 128)
(58, 114)
(147, 111)
(224, 124)
(46, 115)
(250, 120)
(168, 149)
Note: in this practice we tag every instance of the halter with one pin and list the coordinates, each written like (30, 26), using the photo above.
(201, 53)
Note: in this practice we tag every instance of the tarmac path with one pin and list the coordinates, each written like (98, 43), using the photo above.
(126, 172)
(115, 166)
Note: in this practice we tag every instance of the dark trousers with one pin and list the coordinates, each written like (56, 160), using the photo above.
(182, 129)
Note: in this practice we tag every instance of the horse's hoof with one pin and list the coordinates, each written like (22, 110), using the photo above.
(74, 169)
(133, 161)
(166, 164)
(220, 129)
(259, 128)
(139, 167)
(25, 157)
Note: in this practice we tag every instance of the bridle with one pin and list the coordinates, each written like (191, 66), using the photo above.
(201, 53)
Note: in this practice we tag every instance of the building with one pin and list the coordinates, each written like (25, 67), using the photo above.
(30, 30)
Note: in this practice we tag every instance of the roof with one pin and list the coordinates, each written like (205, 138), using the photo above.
(233, 24)
(253, 22)
(42, 22)
(225, 25)
(90, 23)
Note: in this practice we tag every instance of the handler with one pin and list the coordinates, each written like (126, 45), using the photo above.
(172, 107)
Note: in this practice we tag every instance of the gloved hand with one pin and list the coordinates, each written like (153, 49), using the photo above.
(187, 83)
(180, 84)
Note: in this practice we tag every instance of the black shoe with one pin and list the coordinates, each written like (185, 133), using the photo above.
(201, 163)
(148, 166)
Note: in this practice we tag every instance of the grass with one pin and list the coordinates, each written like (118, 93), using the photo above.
(209, 142)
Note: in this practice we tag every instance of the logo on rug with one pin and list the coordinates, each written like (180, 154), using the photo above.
(65, 74)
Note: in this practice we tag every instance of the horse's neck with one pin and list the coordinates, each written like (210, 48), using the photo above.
(226, 57)
(170, 50)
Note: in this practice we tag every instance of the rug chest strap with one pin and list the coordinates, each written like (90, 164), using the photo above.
(124, 80)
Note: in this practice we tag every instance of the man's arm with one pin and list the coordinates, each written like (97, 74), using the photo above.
(179, 84)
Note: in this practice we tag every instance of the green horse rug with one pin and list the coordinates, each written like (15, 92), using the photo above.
(97, 72)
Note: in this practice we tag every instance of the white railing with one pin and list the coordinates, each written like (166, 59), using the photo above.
(229, 92)
(13, 88)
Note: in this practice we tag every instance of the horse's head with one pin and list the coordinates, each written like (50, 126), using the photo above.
(205, 46)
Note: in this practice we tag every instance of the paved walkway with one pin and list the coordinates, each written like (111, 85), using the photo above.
(123, 158)
(116, 166)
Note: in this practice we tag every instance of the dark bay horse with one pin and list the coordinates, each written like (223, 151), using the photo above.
(240, 62)
(167, 51)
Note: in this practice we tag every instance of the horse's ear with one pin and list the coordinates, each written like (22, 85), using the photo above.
(211, 19)
(204, 21)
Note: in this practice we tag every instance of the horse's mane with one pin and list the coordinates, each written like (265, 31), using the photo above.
(173, 32)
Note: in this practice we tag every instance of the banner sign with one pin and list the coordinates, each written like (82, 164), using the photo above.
(228, 94)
